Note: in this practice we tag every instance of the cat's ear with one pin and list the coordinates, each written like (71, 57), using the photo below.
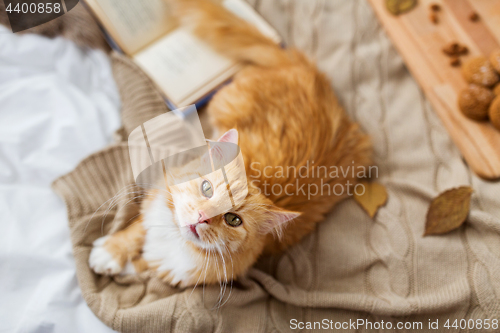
(230, 136)
(221, 153)
(277, 217)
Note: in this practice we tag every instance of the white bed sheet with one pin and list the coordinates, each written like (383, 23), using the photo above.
(58, 104)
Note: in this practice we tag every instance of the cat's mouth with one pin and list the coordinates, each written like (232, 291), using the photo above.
(193, 230)
(197, 234)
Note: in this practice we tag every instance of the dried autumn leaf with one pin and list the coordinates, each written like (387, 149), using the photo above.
(448, 211)
(397, 7)
(374, 196)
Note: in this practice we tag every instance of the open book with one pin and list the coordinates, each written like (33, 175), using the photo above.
(185, 69)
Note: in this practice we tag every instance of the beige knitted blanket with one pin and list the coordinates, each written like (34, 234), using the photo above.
(352, 267)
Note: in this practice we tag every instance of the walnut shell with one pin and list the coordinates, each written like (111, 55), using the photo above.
(474, 102)
(479, 70)
(495, 60)
(494, 112)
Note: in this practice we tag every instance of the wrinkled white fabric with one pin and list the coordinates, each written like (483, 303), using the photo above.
(58, 104)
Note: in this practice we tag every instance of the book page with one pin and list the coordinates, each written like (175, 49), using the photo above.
(133, 24)
(180, 64)
(246, 12)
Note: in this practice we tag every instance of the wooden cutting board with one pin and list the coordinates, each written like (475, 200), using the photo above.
(420, 43)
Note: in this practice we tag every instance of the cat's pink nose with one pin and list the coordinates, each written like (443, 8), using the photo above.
(202, 217)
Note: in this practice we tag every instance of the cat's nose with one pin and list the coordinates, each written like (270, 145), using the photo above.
(202, 217)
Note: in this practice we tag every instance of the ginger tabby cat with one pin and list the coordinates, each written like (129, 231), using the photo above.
(286, 114)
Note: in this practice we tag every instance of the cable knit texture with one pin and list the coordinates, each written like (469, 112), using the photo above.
(352, 266)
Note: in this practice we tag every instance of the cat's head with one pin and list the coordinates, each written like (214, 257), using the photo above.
(207, 217)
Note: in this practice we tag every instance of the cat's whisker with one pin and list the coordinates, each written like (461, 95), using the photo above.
(198, 280)
(232, 266)
(106, 212)
(205, 278)
(115, 200)
(163, 226)
(224, 282)
(225, 273)
(232, 277)
(121, 194)
(104, 203)
(132, 218)
(109, 209)
(217, 267)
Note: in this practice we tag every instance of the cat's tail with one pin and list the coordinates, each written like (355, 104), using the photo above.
(229, 34)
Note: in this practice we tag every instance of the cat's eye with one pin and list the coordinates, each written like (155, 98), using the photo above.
(232, 219)
(206, 189)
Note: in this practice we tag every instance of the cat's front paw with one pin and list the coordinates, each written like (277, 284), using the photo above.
(101, 260)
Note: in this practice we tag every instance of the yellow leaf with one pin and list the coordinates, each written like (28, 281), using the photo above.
(448, 211)
(397, 7)
(374, 196)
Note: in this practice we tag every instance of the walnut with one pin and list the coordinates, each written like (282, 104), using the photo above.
(495, 59)
(433, 18)
(494, 112)
(454, 49)
(479, 70)
(455, 61)
(463, 50)
(435, 7)
(474, 17)
(474, 102)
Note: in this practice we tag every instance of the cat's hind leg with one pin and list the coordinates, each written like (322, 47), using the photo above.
(111, 254)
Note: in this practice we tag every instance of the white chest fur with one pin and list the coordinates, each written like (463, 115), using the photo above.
(164, 245)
